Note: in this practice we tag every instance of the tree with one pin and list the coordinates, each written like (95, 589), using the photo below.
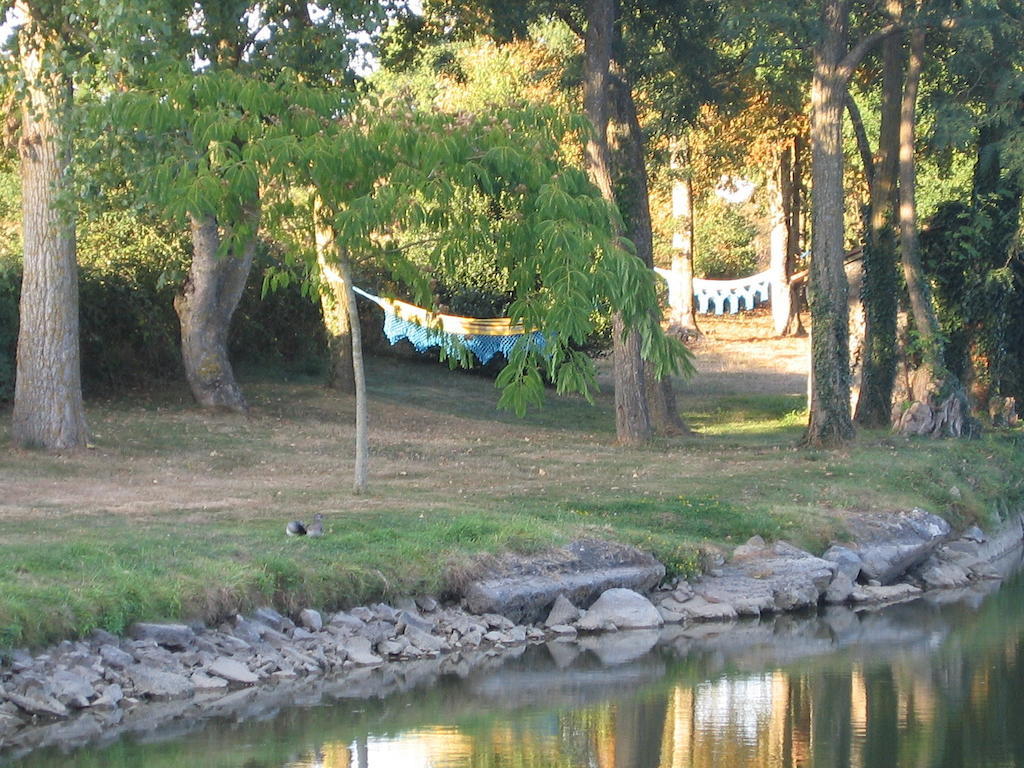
(880, 290)
(382, 175)
(213, 124)
(624, 46)
(48, 408)
(830, 422)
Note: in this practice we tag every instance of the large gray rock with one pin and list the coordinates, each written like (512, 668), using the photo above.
(175, 636)
(890, 544)
(38, 703)
(622, 608)
(884, 594)
(840, 589)
(522, 588)
(311, 620)
(71, 688)
(699, 609)
(232, 671)
(360, 652)
(423, 640)
(747, 596)
(159, 684)
(114, 657)
(847, 561)
(562, 612)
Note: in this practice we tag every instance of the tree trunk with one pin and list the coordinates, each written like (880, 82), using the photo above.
(359, 374)
(925, 320)
(205, 306)
(632, 419)
(633, 193)
(783, 197)
(880, 289)
(682, 317)
(48, 410)
(334, 303)
(830, 423)
(794, 223)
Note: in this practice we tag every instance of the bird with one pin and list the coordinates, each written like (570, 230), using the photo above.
(317, 527)
(295, 528)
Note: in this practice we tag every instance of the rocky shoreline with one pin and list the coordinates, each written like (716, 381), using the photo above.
(101, 688)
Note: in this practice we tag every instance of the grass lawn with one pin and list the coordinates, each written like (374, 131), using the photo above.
(180, 514)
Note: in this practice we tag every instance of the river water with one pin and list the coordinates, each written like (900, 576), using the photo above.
(935, 682)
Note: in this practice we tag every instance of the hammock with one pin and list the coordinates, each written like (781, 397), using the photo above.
(750, 291)
(484, 337)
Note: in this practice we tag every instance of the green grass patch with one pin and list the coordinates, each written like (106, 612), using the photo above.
(178, 514)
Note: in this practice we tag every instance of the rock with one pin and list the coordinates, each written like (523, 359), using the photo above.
(699, 609)
(38, 703)
(562, 612)
(522, 588)
(363, 613)
(942, 571)
(840, 589)
(884, 594)
(348, 620)
(232, 671)
(975, 534)
(423, 640)
(497, 621)
(360, 651)
(110, 698)
(426, 603)
(271, 618)
(413, 619)
(754, 546)
(71, 688)
(393, 647)
(204, 682)
(158, 684)
(250, 632)
(114, 657)
(302, 634)
(385, 612)
(747, 596)
(563, 630)
(671, 617)
(311, 620)
(174, 636)
(846, 560)
(21, 660)
(624, 608)
(889, 545)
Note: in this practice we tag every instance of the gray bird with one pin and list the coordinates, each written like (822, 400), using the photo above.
(317, 528)
(295, 528)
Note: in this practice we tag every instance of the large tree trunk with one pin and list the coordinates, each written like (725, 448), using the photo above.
(925, 320)
(830, 422)
(334, 303)
(632, 420)
(205, 306)
(633, 193)
(880, 288)
(682, 316)
(784, 189)
(940, 405)
(48, 410)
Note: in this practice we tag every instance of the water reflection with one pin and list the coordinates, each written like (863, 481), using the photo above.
(923, 684)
